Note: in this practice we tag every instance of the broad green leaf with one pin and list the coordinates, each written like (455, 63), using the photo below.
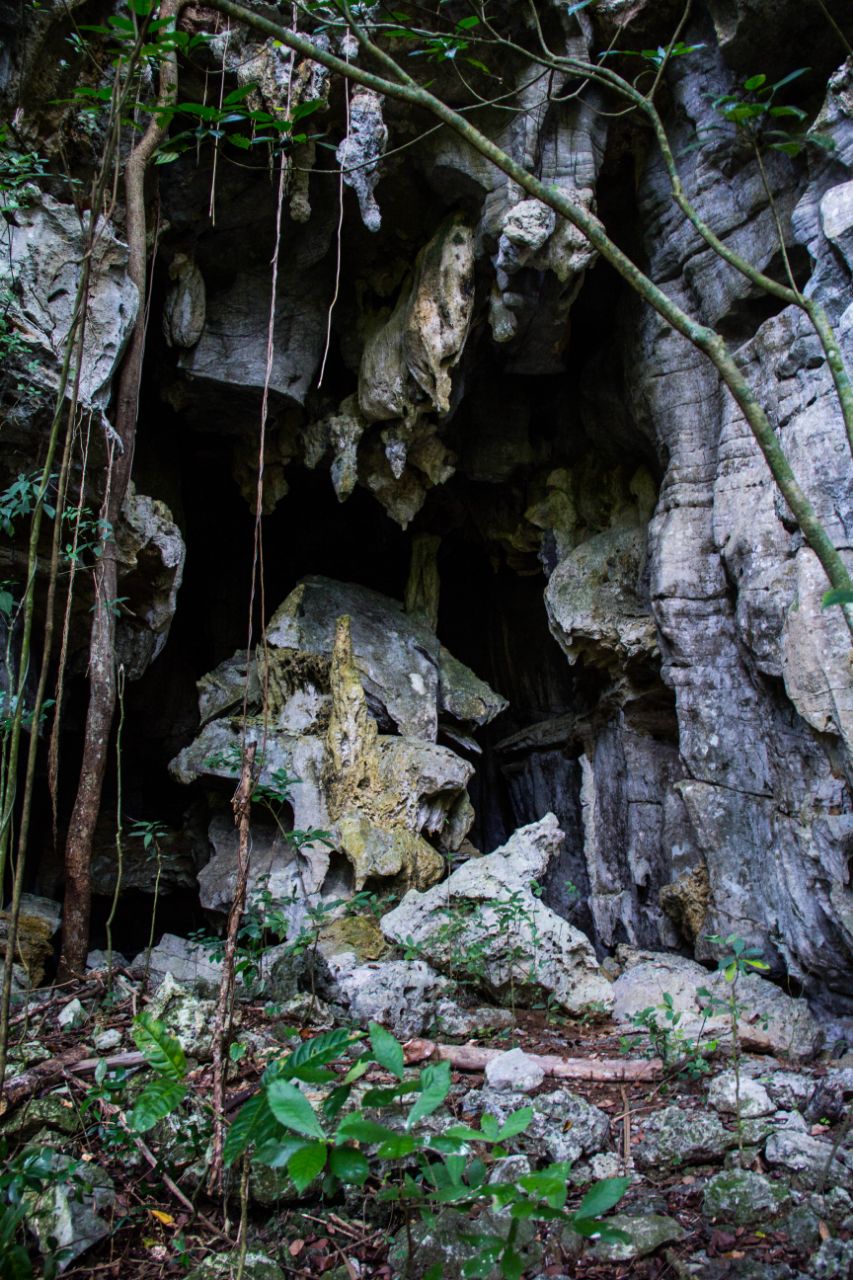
(363, 1130)
(156, 1101)
(238, 95)
(312, 1053)
(515, 1124)
(292, 1109)
(435, 1086)
(162, 1052)
(307, 1163)
(350, 1165)
(603, 1196)
(594, 1228)
(512, 1265)
(275, 1152)
(490, 1128)
(16, 1263)
(336, 1100)
(792, 75)
(384, 1097)
(387, 1050)
(463, 1133)
(754, 82)
(254, 1124)
(304, 109)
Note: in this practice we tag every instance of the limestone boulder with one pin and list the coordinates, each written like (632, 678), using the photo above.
(151, 556)
(769, 1021)
(596, 608)
(404, 995)
(740, 1198)
(407, 363)
(408, 678)
(73, 1212)
(41, 270)
(486, 920)
(564, 1126)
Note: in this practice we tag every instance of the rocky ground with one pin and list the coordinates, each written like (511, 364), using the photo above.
(710, 1194)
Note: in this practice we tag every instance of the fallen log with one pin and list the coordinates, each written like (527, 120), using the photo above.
(471, 1057)
(42, 1074)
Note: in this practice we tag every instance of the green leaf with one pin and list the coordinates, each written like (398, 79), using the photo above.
(602, 1196)
(515, 1124)
(467, 24)
(293, 1110)
(592, 1227)
(841, 595)
(512, 1264)
(792, 75)
(306, 1164)
(754, 82)
(156, 1101)
(384, 1097)
(463, 1133)
(302, 110)
(363, 1130)
(238, 95)
(350, 1165)
(490, 1128)
(435, 1086)
(387, 1050)
(16, 1263)
(275, 1152)
(253, 1124)
(312, 1053)
(162, 1052)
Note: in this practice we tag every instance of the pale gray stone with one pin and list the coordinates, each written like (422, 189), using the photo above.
(404, 995)
(183, 962)
(745, 1098)
(362, 149)
(514, 1070)
(104, 1041)
(564, 1125)
(740, 1198)
(71, 1016)
(41, 268)
(148, 546)
(522, 945)
(808, 1158)
(185, 306)
(790, 1029)
(255, 1266)
(186, 1017)
(647, 1231)
(674, 1137)
(71, 1214)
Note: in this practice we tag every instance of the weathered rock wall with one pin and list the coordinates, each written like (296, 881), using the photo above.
(489, 385)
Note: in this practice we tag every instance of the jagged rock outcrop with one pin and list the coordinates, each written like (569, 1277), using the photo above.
(485, 922)
(465, 366)
(340, 665)
(40, 273)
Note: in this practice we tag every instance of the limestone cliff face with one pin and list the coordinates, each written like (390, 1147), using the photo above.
(614, 558)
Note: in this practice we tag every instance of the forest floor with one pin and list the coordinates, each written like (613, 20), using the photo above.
(159, 1221)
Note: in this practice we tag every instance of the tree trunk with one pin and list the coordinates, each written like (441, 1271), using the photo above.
(102, 680)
